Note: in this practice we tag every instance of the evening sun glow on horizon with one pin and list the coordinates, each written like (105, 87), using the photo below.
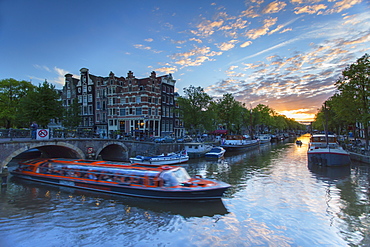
(283, 54)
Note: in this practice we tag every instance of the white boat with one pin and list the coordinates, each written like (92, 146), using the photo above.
(216, 152)
(238, 142)
(197, 150)
(264, 138)
(163, 159)
(324, 150)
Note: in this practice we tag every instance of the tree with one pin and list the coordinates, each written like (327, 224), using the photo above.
(355, 84)
(41, 105)
(72, 117)
(262, 117)
(230, 113)
(11, 92)
(193, 108)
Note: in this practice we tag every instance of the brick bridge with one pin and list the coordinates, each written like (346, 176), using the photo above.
(106, 149)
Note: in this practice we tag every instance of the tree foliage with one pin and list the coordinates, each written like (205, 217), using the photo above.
(194, 108)
(11, 93)
(351, 104)
(72, 117)
(41, 104)
(230, 113)
(199, 113)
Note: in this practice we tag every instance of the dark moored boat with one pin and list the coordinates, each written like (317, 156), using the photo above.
(159, 182)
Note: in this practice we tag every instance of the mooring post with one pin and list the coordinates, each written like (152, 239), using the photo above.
(3, 176)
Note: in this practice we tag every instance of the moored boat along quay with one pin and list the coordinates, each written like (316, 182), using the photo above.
(273, 190)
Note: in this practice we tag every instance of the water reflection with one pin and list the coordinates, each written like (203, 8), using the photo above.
(276, 199)
(185, 208)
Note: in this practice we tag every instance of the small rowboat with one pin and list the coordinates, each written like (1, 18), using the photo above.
(148, 181)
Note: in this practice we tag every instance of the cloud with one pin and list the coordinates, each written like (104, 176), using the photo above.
(196, 40)
(207, 28)
(343, 5)
(274, 7)
(227, 45)
(42, 67)
(195, 57)
(245, 44)
(256, 33)
(167, 70)
(310, 9)
(142, 47)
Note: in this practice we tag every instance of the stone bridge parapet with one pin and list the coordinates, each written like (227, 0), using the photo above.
(105, 149)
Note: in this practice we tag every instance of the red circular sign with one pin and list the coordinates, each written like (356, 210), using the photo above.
(43, 133)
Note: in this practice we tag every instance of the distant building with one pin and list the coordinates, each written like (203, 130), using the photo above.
(125, 105)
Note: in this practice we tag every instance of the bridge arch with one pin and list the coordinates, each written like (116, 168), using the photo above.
(48, 150)
(113, 150)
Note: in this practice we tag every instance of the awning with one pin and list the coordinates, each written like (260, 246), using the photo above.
(218, 132)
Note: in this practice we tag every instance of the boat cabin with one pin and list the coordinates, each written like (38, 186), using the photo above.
(106, 171)
(322, 140)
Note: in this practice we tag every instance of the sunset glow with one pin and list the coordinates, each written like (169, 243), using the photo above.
(284, 54)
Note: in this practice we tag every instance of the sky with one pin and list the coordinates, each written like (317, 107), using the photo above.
(284, 54)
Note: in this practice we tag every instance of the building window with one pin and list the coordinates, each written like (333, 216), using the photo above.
(138, 111)
(90, 98)
(138, 99)
(122, 112)
(98, 105)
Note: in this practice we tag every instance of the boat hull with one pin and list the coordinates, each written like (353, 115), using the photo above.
(328, 158)
(167, 161)
(231, 147)
(215, 192)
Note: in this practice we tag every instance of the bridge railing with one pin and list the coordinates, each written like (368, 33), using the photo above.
(15, 133)
(54, 134)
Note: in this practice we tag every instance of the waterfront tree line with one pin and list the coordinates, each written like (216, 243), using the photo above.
(21, 102)
(348, 110)
(202, 113)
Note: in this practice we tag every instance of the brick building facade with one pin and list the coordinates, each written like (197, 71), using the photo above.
(125, 105)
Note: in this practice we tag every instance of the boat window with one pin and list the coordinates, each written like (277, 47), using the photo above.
(131, 176)
(26, 167)
(175, 177)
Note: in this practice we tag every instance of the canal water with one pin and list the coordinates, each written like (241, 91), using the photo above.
(275, 200)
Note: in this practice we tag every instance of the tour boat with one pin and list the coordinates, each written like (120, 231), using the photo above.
(148, 181)
(324, 150)
(216, 152)
(163, 159)
(238, 142)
